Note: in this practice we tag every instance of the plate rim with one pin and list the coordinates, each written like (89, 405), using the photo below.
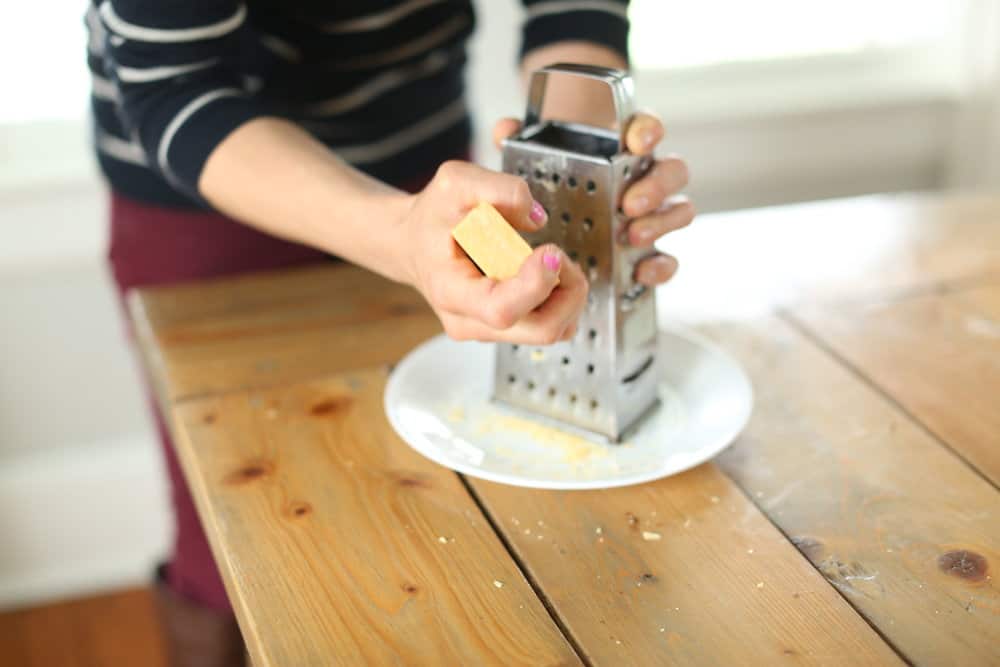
(704, 454)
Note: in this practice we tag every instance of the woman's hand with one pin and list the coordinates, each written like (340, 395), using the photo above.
(652, 202)
(530, 308)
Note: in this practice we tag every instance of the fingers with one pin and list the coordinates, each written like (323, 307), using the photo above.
(643, 133)
(656, 270)
(464, 184)
(644, 231)
(501, 304)
(557, 317)
(504, 128)
(666, 178)
(555, 320)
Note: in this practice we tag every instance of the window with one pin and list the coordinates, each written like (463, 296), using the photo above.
(710, 32)
(43, 60)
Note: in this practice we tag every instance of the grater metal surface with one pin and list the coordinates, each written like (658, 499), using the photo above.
(606, 378)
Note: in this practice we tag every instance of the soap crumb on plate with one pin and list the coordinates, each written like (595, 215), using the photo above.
(650, 536)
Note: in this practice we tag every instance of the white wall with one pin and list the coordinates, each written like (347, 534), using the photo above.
(82, 501)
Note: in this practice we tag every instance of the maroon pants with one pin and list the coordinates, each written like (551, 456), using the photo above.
(153, 245)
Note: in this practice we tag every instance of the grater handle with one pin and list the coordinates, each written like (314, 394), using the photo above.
(620, 83)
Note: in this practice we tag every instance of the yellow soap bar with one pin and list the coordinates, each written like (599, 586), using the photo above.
(496, 248)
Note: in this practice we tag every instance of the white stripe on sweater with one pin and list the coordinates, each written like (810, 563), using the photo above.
(95, 32)
(380, 85)
(147, 74)
(378, 20)
(281, 48)
(123, 28)
(558, 7)
(182, 116)
(396, 143)
(120, 149)
(103, 89)
(425, 42)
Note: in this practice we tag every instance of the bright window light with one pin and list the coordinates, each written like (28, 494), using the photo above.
(43, 51)
(670, 34)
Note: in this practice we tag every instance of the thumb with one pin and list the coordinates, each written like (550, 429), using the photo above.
(503, 129)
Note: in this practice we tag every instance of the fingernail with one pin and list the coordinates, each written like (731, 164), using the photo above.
(645, 235)
(649, 138)
(640, 204)
(538, 214)
(551, 262)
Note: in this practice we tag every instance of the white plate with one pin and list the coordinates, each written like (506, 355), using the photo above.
(438, 400)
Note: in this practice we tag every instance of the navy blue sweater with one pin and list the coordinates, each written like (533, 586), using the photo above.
(380, 82)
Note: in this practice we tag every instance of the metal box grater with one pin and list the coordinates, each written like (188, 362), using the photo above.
(605, 379)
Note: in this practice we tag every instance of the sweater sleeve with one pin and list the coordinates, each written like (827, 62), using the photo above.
(603, 22)
(177, 69)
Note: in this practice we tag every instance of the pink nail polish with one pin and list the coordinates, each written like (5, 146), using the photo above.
(551, 262)
(538, 214)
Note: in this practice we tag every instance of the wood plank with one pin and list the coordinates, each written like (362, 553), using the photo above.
(340, 545)
(721, 586)
(276, 327)
(271, 328)
(746, 263)
(119, 628)
(938, 355)
(897, 523)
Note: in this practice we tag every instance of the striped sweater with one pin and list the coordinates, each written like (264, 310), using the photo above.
(379, 82)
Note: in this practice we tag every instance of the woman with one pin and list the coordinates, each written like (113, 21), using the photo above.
(242, 136)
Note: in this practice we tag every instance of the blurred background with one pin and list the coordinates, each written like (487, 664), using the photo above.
(772, 101)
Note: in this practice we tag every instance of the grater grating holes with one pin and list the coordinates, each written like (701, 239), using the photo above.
(591, 187)
(571, 182)
(565, 218)
(588, 224)
(555, 179)
(590, 369)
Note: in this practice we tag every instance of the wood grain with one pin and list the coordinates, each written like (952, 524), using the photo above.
(103, 631)
(266, 329)
(938, 355)
(721, 586)
(340, 545)
(746, 263)
(897, 523)
(325, 525)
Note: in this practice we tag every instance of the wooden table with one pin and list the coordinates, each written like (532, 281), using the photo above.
(856, 521)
